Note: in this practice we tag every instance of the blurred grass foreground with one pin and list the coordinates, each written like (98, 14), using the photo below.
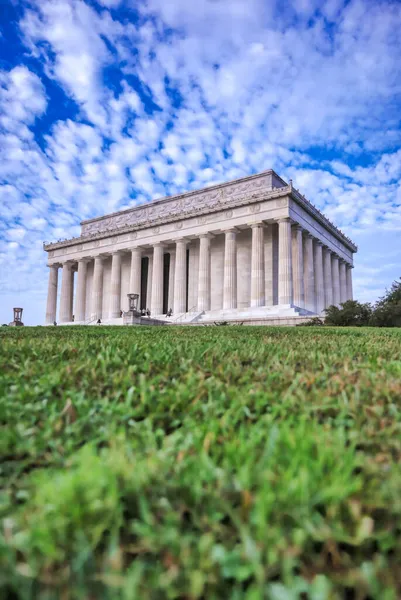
(200, 463)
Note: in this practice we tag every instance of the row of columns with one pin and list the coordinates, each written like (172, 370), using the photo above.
(309, 276)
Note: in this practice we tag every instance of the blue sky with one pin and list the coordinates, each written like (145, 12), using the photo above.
(105, 104)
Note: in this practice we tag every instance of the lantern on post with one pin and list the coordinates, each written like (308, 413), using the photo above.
(133, 302)
(17, 318)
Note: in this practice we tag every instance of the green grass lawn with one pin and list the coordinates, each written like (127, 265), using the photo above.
(218, 462)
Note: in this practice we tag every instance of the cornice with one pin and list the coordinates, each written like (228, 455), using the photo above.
(319, 216)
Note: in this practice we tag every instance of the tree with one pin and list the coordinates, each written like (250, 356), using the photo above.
(387, 310)
(350, 313)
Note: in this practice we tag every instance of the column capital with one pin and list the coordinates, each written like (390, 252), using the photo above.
(71, 265)
(99, 257)
(208, 235)
(55, 265)
(230, 230)
(318, 242)
(284, 220)
(180, 239)
(257, 224)
(84, 259)
(298, 227)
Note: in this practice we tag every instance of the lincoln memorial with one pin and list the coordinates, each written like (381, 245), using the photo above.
(253, 250)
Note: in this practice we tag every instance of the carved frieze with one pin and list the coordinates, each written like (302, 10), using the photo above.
(178, 206)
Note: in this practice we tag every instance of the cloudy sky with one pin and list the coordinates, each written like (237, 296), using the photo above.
(108, 103)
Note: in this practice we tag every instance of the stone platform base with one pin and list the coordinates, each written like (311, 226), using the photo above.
(268, 321)
(258, 315)
(261, 315)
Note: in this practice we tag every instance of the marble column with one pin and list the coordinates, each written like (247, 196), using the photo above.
(343, 282)
(204, 273)
(298, 266)
(350, 295)
(335, 268)
(328, 278)
(97, 289)
(309, 274)
(285, 286)
(115, 286)
(180, 277)
(157, 280)
(269, 266)
(72, 292)
(80, 299)
(230, 270)
(258, 265)
(171, 280)
(149, 282)
(135, 273)
(51, 306)
(66, 294)
(319, 278)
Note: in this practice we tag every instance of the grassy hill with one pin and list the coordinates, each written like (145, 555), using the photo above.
(219, 462)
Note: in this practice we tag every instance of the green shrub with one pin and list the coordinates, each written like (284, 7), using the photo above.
(313, 322)
(350, 313)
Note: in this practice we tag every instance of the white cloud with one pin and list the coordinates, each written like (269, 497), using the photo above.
(22, 100)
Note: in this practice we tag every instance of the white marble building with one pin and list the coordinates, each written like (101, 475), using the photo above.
(251, 250)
